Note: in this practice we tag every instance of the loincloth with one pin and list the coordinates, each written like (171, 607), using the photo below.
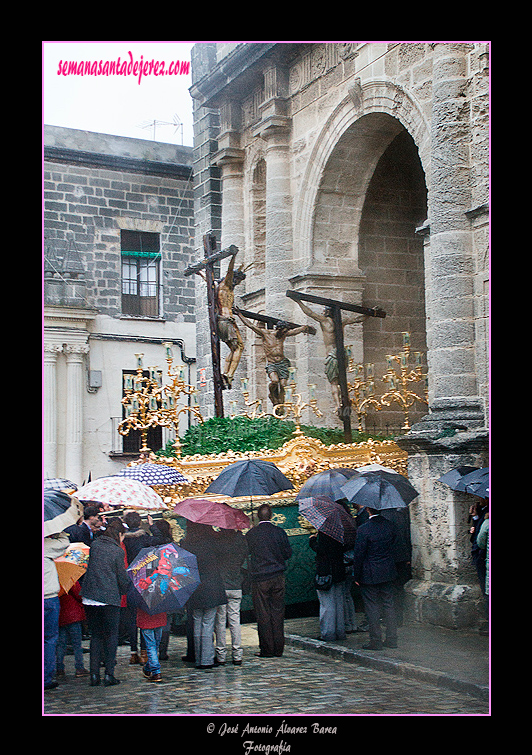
(281, 368)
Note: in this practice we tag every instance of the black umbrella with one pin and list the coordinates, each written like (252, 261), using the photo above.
(59, 511)
(327, 484)
(253, 477)
(250, 477)
(380, 490)
(453, 477)
(476, 482)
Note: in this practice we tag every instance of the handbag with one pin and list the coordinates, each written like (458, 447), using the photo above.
(323, 583)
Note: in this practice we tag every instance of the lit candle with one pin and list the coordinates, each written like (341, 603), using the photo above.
(128, 382)
(403, 356)
(406, 338)
(168, 346)
(389, 360)
(135, 404)
(370, 370)
(371, 387)
(417, 358)
(139, 359)
(292, 374)
(153, 403)
(181, 372)
(232, 404)
(312, 391)
(245, 382)
(288, 395)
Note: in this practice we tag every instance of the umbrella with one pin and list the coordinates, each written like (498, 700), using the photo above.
(72, 565)
(59, 483)
(214, 513)
(164, 578)
(250, 477)
(59, 511)
(326, 484)
(153, 474)
(121, 492)
(454, 476)
(380, 490)
(476, 482)
(329, 517)
(375, 468)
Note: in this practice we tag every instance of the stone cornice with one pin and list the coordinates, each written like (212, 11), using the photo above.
(116, 162)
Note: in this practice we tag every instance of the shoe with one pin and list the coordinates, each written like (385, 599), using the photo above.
(237, 663)
(110, 680)
(134, 659)
(145, 671)
(261, 655)
(52, 685)
(202, 668)
(81, 672)
(155, 678)
(371, 646)
(188, 659)
(95, 680)
(163, 657)
(218, 663)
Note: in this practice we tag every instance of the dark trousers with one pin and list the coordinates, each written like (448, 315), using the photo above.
(379, 601)
(268, 603)
(103, 624)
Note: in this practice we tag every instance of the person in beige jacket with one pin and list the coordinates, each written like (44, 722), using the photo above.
(54, 546)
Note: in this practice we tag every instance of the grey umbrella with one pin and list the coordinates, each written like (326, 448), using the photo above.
(380, 490)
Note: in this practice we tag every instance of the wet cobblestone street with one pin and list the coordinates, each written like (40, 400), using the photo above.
(299, 683)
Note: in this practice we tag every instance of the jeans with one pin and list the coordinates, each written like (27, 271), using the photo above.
(51, 632)
(72, 632)
(152, 639)
(229, 615)
(204, 619)
(332, 617)
(103, 624)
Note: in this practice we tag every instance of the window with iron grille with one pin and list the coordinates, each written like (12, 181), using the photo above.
(141, 257)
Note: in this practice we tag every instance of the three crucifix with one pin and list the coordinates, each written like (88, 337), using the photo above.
(220, 300)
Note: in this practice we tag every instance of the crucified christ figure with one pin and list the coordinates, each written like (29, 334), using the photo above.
(326, 321)
(277, 365)
(226, 324)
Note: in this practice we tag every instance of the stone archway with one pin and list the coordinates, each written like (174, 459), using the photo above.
(356, 222)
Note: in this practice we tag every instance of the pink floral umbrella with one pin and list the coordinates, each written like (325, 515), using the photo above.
(122, 493)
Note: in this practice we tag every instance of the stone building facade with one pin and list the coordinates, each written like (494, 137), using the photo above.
(118, 234)
(360, 172)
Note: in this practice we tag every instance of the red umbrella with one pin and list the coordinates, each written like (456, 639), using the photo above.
(214, 513)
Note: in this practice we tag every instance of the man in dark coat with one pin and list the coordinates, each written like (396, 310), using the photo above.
(269, 551)
(375, 572)
(93, 520)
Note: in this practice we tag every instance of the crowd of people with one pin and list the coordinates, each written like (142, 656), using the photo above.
(101, 603)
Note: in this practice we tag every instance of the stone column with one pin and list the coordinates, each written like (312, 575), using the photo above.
(51, 352)
(74, 411)
(445, 589)
(450, 265)
(275, 129)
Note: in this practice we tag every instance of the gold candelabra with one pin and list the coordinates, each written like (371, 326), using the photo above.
(294, 408)
(147, 403)
(253, 408)
(399, 381)
(362, 389)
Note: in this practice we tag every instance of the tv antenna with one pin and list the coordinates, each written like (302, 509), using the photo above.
(153, 124)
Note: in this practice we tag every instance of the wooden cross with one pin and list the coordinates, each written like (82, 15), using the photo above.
(207, 265)
(271, 322)
(336, 308)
